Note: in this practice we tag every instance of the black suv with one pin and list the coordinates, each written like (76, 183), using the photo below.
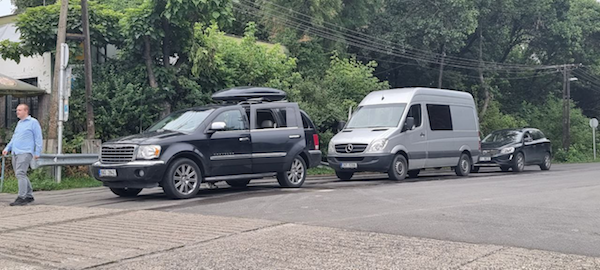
(254, 134)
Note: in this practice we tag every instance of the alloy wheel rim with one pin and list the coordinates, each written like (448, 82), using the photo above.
(185, 179)
(547, 161)
(296, 173)
(520, 162)
(464, 165)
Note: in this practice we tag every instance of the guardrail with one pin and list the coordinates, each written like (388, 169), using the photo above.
(55, 160)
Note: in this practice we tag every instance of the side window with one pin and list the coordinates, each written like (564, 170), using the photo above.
(265, 119)
(234, 120)
(415, 112)
(439, 117)
(282, 121)
(527, 137)
(306, 123)
(537, 135)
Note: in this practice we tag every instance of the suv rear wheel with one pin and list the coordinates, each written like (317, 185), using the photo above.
(182, 180)
(126, 192)
(295, 176)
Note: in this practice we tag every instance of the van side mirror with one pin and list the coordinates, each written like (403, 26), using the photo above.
(216, 126)
(340, 125)
(408, 124)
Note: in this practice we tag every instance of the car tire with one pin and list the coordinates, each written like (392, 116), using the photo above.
(344, 175)
(398, 168)
(238, 183)
(518, 162)
(504, 168)
(475, 169)
(463, 168)
(295, 177)
(182, 180)
(413, 173)
(126, 192)
(547, 162)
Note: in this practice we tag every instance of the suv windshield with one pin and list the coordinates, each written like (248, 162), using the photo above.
(183, 121)
(504, 136)
(373, 116)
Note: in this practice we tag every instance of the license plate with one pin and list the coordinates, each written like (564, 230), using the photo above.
(349, 165)
(485, 158)
(107, 173)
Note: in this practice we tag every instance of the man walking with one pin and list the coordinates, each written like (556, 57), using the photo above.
(26, 143)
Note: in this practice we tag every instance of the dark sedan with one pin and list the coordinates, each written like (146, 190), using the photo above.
(514, 149)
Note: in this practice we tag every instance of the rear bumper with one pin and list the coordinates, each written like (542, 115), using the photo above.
(314, 157)
(135, 174)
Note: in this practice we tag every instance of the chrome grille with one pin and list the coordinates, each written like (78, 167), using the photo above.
(350, 148)
(117, 153)
(492, 152)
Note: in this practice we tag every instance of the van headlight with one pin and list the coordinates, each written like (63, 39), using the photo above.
(507, 150)
(148, 151)
(378, 145)
(331, 147)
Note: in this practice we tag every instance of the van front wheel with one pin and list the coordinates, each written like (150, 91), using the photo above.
(398, 168)
(464, 165)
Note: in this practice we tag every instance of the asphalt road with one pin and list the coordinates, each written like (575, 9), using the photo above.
(487, 214)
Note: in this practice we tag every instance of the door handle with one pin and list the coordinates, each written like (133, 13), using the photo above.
(422, 134)
(244, 139)
(294, 136)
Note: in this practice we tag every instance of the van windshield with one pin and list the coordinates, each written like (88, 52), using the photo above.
(376, 116)
(182, 121)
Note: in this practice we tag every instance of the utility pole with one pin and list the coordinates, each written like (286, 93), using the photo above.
(442, 67)
(87, 55)
(54, 100)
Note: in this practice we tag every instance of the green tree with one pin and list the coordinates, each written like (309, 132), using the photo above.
(22, 5)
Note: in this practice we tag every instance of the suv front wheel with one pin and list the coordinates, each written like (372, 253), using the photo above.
(295, 176)
(182, 180)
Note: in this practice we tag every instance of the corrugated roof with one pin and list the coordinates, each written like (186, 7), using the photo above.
(14, 87)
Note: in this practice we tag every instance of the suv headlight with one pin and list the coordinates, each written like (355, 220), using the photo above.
(377, 145)
(507, 150)
(148, 151)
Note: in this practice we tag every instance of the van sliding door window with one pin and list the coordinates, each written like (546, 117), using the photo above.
(439, 117)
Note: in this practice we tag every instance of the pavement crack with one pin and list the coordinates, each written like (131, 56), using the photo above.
(481, 257)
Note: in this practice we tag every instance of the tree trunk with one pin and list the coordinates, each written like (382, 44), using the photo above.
(148, 58)
(484, 86)
(60, 38)
(87, 51)
(166, 53)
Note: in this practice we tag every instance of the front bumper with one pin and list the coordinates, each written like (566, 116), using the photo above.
(135, 174)
(371, 163)
(496, 160)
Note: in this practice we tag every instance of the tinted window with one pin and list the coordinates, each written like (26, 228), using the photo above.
(306, 123)
(537, 135)
(415, 112)
(234, 120)
(265, 119)
(439, 117)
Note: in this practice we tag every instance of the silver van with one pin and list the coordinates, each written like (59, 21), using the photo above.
(401, 131)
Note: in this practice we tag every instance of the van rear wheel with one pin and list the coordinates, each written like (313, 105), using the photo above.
(464, 165)
(398, 169)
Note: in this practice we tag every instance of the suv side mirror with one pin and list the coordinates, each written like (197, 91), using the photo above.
(217, 126)
(408, 124)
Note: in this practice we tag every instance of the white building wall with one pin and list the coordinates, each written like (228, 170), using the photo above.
(37, 66)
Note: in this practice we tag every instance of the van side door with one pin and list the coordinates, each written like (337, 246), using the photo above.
(441, 151)
(277, 135)
(416, 136)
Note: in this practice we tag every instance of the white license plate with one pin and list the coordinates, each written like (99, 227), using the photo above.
(107, 172)
(485, 158)
(349, 165)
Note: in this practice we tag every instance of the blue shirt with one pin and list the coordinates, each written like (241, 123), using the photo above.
(27, 138)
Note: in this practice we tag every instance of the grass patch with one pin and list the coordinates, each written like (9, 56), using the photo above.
(320, 170)
(47, 183)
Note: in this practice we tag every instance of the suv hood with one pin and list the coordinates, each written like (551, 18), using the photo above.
(146, 137)
(497, 145)
(363, 135)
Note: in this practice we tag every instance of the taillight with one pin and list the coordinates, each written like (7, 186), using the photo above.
(316, 141)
